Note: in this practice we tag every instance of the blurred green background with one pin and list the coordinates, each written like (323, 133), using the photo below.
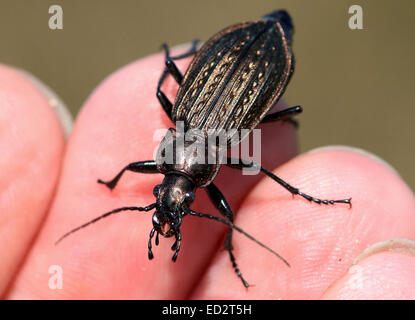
(356, 86)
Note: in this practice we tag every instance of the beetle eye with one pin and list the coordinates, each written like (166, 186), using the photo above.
(156, 221)
(190, 197)
(176, 225)
(156, 190)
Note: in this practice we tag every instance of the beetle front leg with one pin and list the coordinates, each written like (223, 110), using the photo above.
(219, 201)
(150, 252)
(148, 166)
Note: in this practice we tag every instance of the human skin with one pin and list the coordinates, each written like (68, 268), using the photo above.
(108, 260)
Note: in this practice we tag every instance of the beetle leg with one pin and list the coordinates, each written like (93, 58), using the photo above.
(171, 66)
(285, 115)
(174, 71)
(165, 102)
(150, 252)
(287, 186)
(157, 239)
(191, 51)
(148, 166)
(173, 247)
(177, 245)
(219, 201)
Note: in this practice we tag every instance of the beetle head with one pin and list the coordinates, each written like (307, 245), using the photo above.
(175, 192)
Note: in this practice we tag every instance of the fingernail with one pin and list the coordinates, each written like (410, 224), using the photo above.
(382, 271)
(401, 245)
(55, 102)
(358, 151)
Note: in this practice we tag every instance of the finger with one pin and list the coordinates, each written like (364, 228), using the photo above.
(383, 271)
(109, 259)
(32, 142)
(320, 242)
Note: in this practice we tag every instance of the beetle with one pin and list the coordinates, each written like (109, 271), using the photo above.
(233, 81)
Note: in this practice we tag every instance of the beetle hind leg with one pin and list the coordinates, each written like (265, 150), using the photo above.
(284, 115)
(172, 69)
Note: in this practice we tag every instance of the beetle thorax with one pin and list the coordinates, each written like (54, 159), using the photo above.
(174, 190)
(191, 156)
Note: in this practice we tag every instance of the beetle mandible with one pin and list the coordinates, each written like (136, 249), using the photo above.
(233, 81)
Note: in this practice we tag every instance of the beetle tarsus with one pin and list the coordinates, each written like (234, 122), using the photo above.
(235, 267)
(110, 184)
(284, 115)
(220, 202)
(239, 164)
(148, 166)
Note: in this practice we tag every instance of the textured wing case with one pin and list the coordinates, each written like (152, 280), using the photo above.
(236, 78)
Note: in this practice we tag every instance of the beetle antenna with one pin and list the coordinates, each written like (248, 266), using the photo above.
(230, 224)
(148, 208)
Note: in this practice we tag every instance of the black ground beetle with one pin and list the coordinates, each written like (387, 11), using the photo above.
(235, 78)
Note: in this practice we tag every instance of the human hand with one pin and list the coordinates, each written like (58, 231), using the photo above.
(109, 258)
